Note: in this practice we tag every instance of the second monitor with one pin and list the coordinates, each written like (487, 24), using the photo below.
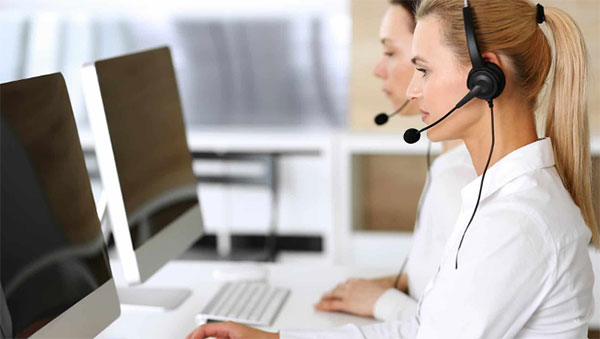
(144, 161)
(146, 169)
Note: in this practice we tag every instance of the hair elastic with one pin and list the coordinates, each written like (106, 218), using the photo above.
(540, 16)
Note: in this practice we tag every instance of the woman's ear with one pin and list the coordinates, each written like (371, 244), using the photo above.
(501, 61)
(493, 58)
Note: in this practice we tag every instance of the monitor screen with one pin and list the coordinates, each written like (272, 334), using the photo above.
(52, 252)
(147, 135)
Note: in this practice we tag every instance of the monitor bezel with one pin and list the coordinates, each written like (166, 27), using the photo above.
(88, 317)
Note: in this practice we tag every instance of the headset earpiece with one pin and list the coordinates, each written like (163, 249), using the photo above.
(490, 78)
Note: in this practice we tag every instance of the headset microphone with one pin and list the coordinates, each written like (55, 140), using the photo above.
(382, 118)
(413, 135)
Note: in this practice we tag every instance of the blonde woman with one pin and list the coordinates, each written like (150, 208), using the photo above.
(395, 296)
(523, 268)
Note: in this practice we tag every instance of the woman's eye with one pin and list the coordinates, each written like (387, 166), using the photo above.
(389, 54)
(422, 70)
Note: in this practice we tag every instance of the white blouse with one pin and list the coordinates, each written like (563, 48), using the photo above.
(523, 269)
(438, 210)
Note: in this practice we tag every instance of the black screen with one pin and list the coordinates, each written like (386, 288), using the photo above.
(52, 250)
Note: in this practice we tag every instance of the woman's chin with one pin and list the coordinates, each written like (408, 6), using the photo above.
(435, 137)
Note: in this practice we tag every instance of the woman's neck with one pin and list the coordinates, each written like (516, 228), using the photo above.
(514, 128)
(450, 144)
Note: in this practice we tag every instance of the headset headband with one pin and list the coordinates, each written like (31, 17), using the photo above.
(476, 59)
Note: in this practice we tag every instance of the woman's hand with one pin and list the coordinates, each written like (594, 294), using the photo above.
(230, 330)
(355, 296)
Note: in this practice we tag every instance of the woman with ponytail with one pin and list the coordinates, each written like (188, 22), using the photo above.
(523, 268)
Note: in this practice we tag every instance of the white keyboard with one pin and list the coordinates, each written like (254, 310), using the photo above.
(247, 302)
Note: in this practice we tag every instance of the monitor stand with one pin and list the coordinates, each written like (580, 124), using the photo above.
(150, 298)
(141, 298)
(241, 271)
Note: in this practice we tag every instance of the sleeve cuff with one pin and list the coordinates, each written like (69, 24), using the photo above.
(394, 305)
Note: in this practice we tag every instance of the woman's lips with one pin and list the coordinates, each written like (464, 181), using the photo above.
(424, 115)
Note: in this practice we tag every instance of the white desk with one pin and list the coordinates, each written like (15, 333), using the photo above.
(307, 284)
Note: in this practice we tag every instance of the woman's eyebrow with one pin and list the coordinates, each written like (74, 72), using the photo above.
(418, 59)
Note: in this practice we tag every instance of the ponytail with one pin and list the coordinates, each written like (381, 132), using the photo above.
(567, 118)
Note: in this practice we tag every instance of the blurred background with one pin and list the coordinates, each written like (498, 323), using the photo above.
(289, 83)
(239, 63)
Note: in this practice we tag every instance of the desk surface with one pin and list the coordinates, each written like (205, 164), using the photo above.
(307, 283)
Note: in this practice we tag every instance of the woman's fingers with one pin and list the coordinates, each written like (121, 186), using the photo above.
(192, 334)
(231, 330)
(334, 300)
(341, 291)
(219, 330)
(331, 305)
(337, 292)
(327, 295)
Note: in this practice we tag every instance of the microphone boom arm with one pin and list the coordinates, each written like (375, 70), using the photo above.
(472, 94)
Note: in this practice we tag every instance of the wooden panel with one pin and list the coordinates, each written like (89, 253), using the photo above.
(391, 188)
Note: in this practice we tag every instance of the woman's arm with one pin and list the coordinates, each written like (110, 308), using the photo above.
(355, 296)
(388, 281)
(370, 298)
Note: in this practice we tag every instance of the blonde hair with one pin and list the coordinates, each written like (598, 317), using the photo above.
(509, 27)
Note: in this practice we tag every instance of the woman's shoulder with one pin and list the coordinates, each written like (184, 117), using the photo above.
(538, 205)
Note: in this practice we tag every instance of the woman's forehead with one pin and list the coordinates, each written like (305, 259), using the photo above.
(427, 40)
(396, 23)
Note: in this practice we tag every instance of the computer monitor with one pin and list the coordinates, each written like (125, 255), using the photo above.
(54, 271)
(143, 158)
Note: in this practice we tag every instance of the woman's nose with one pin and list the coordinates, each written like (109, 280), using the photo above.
(413, 91)
(379, 70)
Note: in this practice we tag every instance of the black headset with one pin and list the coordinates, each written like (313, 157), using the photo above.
(487, 75)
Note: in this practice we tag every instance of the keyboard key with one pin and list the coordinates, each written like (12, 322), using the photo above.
(251, 299)
(273, 307)
(217, 302)
(262, 305)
